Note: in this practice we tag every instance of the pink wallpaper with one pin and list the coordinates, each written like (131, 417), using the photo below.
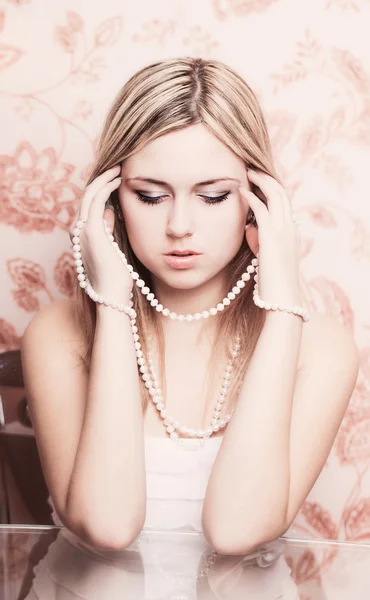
(61, 63)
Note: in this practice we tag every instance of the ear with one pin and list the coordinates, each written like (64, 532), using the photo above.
(251, 236)
(109, 216)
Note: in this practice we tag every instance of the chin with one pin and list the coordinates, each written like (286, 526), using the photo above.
(182, 279)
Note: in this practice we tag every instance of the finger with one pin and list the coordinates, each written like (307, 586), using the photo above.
(257, 206)
(97, 206)
(278, 201)
(94, 187)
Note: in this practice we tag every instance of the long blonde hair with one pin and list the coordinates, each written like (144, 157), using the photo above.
(166, 96)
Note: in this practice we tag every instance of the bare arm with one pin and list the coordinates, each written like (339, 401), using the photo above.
(107, 489)
(89, 429)
(282, 431)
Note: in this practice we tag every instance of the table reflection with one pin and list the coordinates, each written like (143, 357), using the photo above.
(182, 566)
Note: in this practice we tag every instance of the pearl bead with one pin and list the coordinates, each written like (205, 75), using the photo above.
(150, 297)
(220, 306)
(226, 301)
(154, 302)
(213, 311)
(231, 295)
(236, 290)
(173, 315)
(189, 318)
(205, 314)
(140, 283)
(240, 284)
(246, 276)
(145, 290)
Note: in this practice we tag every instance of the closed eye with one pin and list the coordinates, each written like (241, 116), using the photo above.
(158, 199)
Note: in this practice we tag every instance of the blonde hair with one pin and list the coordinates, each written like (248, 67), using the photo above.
(166, 96)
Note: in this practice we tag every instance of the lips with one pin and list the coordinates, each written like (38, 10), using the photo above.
(182, 253)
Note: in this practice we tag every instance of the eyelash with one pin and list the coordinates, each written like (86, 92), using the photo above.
(156, 200)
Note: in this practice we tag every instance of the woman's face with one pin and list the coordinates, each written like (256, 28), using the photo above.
(207, 218)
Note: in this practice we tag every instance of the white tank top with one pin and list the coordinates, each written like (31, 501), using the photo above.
(176, 481)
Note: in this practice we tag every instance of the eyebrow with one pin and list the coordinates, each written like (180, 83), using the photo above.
(164, 183)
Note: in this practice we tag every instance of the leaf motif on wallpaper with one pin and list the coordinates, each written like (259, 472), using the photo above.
(319, 520)
(345, 4)
(306, 247)
(321, 216)
(357, 521)
(200, 41)
(239, 8)
(9, 339)
(29, 278)
(352, 69)
(352, 444)
(360, 240)
(65, 273)
(9, 55)
(75, 21)
(365, 363)
(26, 274)
(155, 31)
(108, 32)
(36, 192)
(336, 121)
(82, 110)
(26, 301)
(307, 55)
(335, 301)
(66, 37)
(281, 126)
(311, 139)
(304, 567)
(334, 168)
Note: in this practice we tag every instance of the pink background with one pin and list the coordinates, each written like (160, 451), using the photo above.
(61, 64)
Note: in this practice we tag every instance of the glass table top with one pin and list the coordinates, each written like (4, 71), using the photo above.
(50, 563)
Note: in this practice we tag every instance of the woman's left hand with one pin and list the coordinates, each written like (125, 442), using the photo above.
(278, 241)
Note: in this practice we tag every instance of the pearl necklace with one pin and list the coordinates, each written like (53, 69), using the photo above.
(240, 284)
(150, 378)
(172, 426)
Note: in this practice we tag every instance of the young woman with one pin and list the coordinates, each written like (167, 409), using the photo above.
(185, 384)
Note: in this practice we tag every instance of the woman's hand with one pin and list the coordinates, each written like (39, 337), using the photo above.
(278, 241)
(107, 273)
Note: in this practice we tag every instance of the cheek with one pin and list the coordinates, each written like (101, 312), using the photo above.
(142, 231)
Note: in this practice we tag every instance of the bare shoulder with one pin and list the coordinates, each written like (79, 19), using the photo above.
(56, 323)
(324, 337)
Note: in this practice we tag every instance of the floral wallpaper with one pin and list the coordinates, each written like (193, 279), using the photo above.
(61, 64)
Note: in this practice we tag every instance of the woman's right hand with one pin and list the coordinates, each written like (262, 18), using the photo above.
(105, 269)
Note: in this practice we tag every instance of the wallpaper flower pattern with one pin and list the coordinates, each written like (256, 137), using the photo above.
(60, 66)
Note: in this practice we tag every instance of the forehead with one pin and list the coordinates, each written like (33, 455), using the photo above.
(190, 154)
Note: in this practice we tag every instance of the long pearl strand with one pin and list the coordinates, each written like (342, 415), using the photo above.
(149, 375)
(172, 426)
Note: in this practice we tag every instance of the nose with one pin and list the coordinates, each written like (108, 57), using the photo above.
(180, 220)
